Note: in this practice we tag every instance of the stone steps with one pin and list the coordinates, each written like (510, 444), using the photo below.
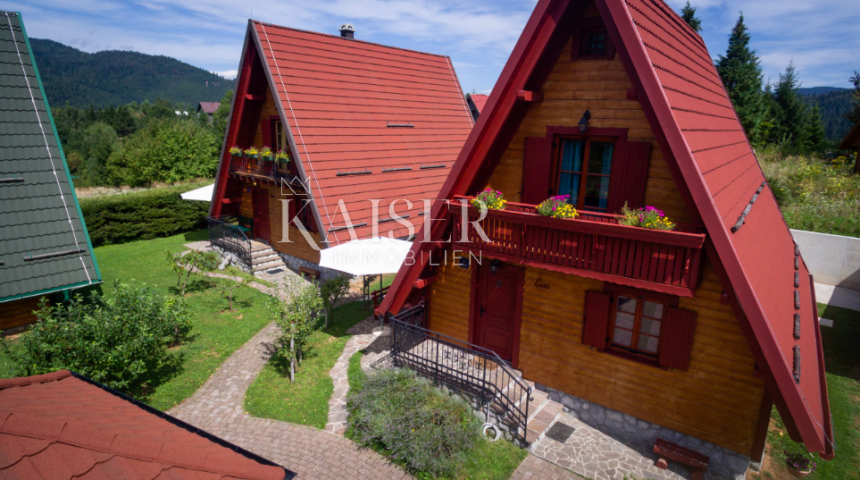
(263, 257)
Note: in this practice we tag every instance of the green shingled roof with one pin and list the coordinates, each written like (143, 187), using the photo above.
(44, 245)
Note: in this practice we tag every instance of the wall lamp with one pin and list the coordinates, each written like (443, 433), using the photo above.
(583, 122)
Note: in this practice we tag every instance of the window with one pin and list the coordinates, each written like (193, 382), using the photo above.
(595, 43)
(584, 169)
(637, 324)
(304, 212)
(279, 142)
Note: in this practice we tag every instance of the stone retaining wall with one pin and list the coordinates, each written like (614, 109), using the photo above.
(640, 434)
(295, 263)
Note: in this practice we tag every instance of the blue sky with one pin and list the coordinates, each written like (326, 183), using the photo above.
(821, 36)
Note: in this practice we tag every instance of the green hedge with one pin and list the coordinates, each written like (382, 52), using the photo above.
(154, 213)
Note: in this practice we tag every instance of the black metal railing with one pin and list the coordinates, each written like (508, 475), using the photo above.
(224, 232)
(466, 367)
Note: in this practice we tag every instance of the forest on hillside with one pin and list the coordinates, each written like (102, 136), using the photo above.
(834, 105)
(80, 79)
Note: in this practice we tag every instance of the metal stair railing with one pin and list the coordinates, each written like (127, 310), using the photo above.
(224, 232)
(464, 366)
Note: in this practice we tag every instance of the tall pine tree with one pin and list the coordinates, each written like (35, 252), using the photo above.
(854, 114)
(793, 118)
(688, 13)
(741, 72)
(817, 135)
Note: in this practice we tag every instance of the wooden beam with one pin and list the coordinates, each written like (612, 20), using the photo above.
(232, 200)
(424, 282)
(255, 98)
(530, 96)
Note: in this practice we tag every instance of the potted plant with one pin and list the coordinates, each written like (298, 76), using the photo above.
(252, 153)
(799, 464)
(235, 151)
(489, 198)
(282, 157)
(557, 207)
(645, 217)
(267, 154)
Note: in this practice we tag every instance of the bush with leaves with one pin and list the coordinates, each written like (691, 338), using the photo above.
(296, 313)
(189, 263)
(419, 425)
(331, 291)
(116, 340)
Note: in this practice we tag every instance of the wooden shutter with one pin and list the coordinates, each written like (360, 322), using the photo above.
(628, 175)
(595, 322)
(536, 166)
(677, 337)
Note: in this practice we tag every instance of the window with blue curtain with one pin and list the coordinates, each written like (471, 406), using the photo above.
(585, 183)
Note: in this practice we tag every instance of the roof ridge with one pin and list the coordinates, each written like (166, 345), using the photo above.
(350, 39)
(34, 379)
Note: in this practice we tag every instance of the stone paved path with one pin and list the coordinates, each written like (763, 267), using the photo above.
(362, 337)
(313, 454)
(594, 454)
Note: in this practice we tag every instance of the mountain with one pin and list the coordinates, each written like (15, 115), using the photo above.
(834, 103)
(120, 77)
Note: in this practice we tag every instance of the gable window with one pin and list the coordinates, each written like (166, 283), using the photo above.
(594, 44)
(637, 324)
(304, 213)
(279, 140)
(585, 166)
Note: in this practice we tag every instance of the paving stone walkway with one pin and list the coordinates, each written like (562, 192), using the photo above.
(313, 454)
(594, 454)
(362, 337)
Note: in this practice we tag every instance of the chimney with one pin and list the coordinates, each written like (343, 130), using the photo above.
(347, 31)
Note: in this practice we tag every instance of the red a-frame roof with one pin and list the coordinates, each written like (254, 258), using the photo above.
(354, 107)
(715, 168)
(62, 426)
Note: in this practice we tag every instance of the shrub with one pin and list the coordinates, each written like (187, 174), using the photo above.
(114, 340)
(165, 151)
(331, 291)
(489, 198)
(645, 217)
(418, 424)
(142, 215)
(557, 207)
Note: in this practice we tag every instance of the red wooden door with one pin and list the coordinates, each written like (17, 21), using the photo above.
(495, 317)
(261, 214)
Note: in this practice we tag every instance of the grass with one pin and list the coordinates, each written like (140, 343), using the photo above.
(305, 401)
(815, 194)
(487, 461)
(216, 333)
(842, 359)
(236, 272)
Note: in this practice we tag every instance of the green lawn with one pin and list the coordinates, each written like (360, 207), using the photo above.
(487, 461)
(842, 359)
(305, 401)
(215, 334)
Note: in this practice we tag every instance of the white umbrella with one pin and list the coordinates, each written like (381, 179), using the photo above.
(200, 195)
(370, 256)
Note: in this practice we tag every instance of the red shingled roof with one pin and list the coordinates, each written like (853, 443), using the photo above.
(479, 100)
(209, 107)
(700, 135)
(339, 95)
(61, 426)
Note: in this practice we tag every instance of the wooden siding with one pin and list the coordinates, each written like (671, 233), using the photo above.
(717, 399)
(600, 86)
(19, 312)
(449, 299)
(269, 110)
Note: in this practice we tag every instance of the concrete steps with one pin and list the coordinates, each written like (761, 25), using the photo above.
(263, 257)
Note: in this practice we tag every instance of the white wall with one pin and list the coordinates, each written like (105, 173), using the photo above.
(832, 259)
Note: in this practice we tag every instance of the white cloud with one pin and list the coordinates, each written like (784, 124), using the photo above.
(228, 74)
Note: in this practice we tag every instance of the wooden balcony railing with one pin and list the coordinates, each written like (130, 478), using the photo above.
(594, 245)
(259, 169)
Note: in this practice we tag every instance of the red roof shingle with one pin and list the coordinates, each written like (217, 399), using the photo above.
(339, 96)
(60, 426)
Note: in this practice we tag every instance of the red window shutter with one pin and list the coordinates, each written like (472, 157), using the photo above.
(677, 332)
(536, 166)
(266, 125)
(628, 175)
(595, 322)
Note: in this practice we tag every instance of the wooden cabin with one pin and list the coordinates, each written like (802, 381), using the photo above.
(852, 142)
(45, 249)
(696, 331)
(476, 103)
(371, 132)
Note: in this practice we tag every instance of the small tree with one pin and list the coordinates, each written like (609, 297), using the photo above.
(192, 262)
(332, 290)
(296, 313)
(229, 285)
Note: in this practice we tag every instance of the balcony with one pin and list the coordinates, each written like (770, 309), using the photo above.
(259, 169)
(594, 245)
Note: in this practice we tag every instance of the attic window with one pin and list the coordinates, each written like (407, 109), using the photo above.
(595, 43)
(592, 40)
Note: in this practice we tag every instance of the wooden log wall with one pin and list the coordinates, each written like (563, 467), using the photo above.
(19, 312)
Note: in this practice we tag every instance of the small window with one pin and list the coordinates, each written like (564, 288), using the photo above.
(636, 325)
(304, 212)
(584, 169)
(595, 43)
(280, 139)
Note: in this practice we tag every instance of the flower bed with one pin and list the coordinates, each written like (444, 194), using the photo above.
(557, 207)
(646, 217)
